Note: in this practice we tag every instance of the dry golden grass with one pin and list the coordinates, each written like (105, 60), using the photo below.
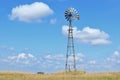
(60, 76)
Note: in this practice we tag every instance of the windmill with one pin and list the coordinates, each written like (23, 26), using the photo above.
(70, 15)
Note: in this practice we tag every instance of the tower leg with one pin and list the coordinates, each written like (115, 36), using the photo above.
(70, 49)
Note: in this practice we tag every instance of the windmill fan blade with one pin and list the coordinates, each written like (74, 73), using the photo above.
(66, 11)
(77, 16)
(71, 14)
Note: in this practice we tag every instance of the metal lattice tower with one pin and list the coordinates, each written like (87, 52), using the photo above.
(70, 15)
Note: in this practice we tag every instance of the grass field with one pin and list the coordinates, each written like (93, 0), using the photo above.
(60, 76)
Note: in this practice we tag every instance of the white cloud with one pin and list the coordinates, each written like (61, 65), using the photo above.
(58, 61)
(88, 35)
(80, 57)
(12, 57)
(92, 62)
(53, 21)
(111, 59)
(31, 12)
(30, 55)
(116, 53)
(49, 57)
(21, 58)
(65, 29)
(7, 48)
(61, 57)
(114, 58)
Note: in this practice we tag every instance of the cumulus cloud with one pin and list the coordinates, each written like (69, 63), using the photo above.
(22, 58)
(116, 53)
(31, 12)
(58, 62)
(43, 61)
(88, 35)
(114, 58)
(30, 55)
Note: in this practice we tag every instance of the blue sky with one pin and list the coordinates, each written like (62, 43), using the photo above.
(33, 35)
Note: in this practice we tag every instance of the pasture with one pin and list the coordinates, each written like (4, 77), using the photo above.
(60, 76)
